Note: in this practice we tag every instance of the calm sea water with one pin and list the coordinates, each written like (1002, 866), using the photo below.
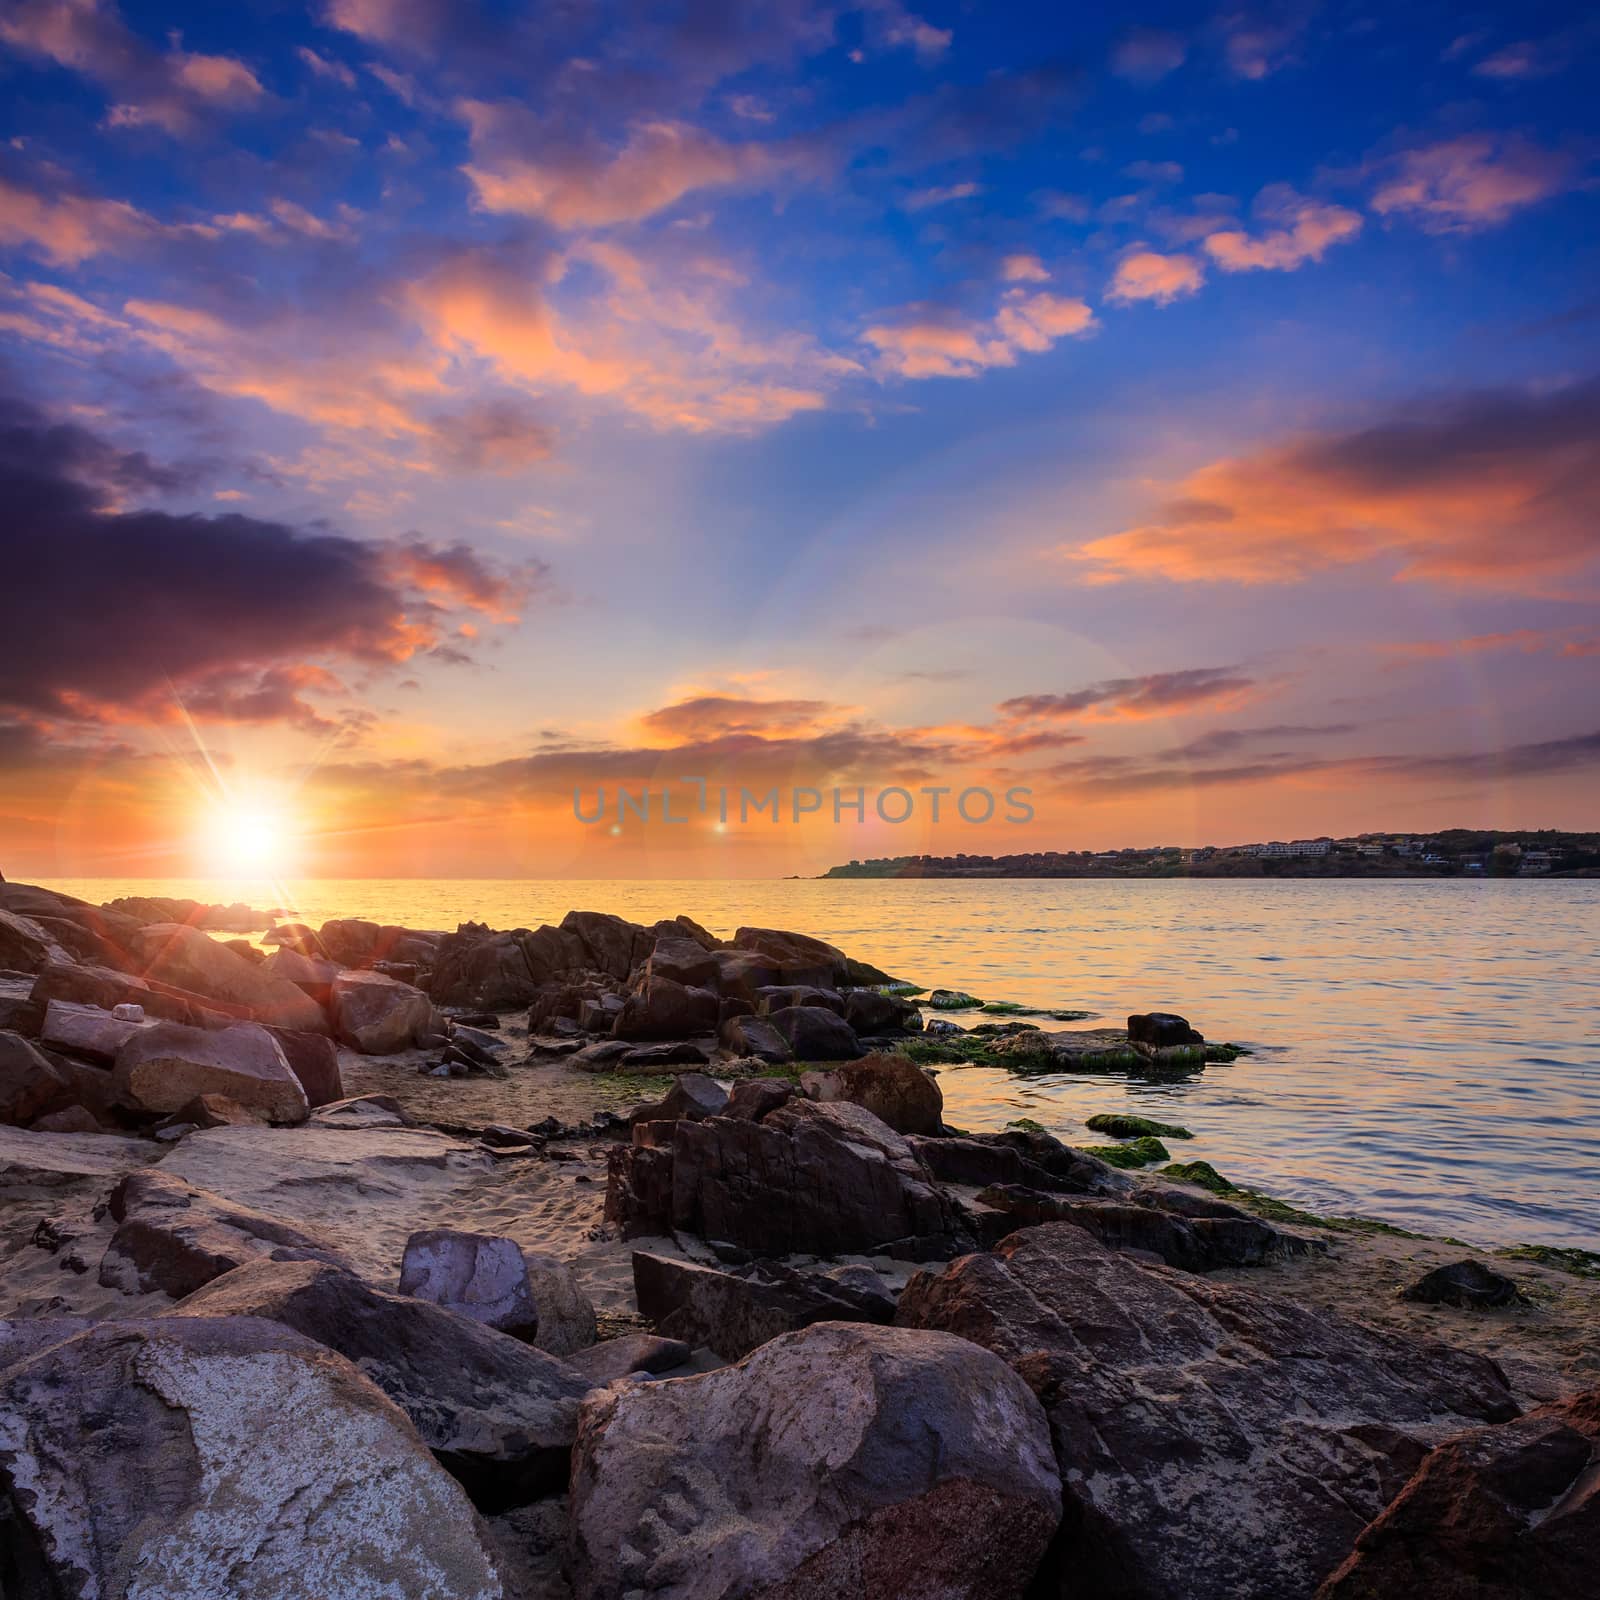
(1425, 1052)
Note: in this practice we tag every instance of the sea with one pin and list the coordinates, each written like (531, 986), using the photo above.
(1425, 1052)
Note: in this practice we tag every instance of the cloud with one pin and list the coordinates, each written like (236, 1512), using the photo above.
(1154, 171)
(327, 68)
(1149, 275)
(1156, 694)
(67, 228)
(1259, 41)
(1537, 58)
(1476, 181)
(940, 195)
(1296, 230)
(594, 186)
(710, 716)
(1497, 487)
(168, 90)
(1147, 55)
(933, 342)
(492, 435)
(1023, 269)
(127, 607)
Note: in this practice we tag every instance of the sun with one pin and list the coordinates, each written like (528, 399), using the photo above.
(250, 840)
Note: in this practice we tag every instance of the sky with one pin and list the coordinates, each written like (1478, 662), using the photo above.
(421, 418)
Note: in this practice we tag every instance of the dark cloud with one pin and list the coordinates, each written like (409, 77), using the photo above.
(110, 612)
(496, 435)
(1156, 694)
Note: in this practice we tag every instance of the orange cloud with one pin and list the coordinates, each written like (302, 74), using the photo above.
(1498, 488)
(928, 342)
(1148, 275)
(1472, 182)
(1298, 230)
(715, 716)
(660, 163)
(67, 228)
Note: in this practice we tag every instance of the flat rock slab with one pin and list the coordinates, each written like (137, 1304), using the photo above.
(191, 1458)
(46, 1160)
(366, 1189)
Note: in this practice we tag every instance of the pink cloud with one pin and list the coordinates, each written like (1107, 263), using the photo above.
(1297, 230)
(1148, 275)
(1476, 181)
(927, 342)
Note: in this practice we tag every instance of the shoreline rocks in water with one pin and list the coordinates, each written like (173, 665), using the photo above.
(272, 1328)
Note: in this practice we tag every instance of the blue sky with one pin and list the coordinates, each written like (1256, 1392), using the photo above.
(794, 388)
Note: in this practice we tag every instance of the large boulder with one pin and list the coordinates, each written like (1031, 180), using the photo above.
(1021, 1158)
(1504, 1513)
(733, 1312)
(499, 1415)
(181, 955)
(30, 1085)
(314, 974)
(892, 1087)
(190, 1458)
(173, 1238)
(797, 957)
(683, 960)
(349, 941)
(86, 1031)
(869, 1012)
(840, 1461)
(103, 987)
(611, 945)
(1214, 1443)
(775, 996)
(1161, 1030)
(813, 1033)
(692, 1095)
(664, 1009)
(754, 1036)
(482, 972)
(807, 1178)
(163, 1067)
(378, 1016)
(314, 1060)
(25, 946)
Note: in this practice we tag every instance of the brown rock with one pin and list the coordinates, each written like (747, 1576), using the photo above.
(378, 1016)
(163, 1067)
(892, 1087)
(191, 959)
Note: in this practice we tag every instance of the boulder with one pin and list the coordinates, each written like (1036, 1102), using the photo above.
(611, 1359)
(813, 1033)
(733, 1312)
(378, 1016)
(612, 945)
(106, 989)
(692, 1095)
(565, 1313)
(664, 1009)
(1469, 1284)
(843, 1460)
(176, 954)
(752, 1099)
(892, 1087)
(350, 941)
(216, 1111)
(754, 1036)
(800, 958)
(869, 1012)
(30, 1085)
(72, 1119)
(683, 960)
(162, 1067)
(482, 973)
(808, 1178)
(599, 1013)
(86, 1031)
(1504, 1513)
(194, 1457)
(1214, 1443)
(772, 997)
(24, 945)
(299, 937)
(479, 1275)
(500, 1417)
(314, 1060)
(659, 1057)
(1031, 1160)
(1161, 1030)
(313, 974)
(172, 1238)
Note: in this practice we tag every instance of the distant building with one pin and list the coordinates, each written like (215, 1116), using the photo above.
(1296, 847)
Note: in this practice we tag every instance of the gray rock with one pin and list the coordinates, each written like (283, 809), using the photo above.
(86, 1030)
(692, 1095)
(776, 996)
(500, 1416)
(1468, 1283)
(752, 1099)
(867, 1011)
(840, 1461)
(191, 1458)
(29, 1082)
(607, 1361)
(663, 1009)
(378, 1016)
(1214, 1443)
(682, 959)
(172, 1238)
(892, 1087)
(734, 1312)
(813, 1033)
(480, 1275)
(566, 1314)
(755, 1036)
(163, 1067)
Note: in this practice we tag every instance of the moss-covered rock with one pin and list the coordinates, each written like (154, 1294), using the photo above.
(1136, 1153)
(1202, 1173)
(1027, 1125)
(952, 1000)
(1125, 1125)
(1563, 1258)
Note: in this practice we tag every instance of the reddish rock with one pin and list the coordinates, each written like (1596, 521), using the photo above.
(892, 1087)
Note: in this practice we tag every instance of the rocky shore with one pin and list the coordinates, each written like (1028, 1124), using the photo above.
(603, 1261)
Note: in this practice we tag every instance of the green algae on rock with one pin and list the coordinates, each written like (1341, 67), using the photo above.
(1126, 1125)
(1136, 1153)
